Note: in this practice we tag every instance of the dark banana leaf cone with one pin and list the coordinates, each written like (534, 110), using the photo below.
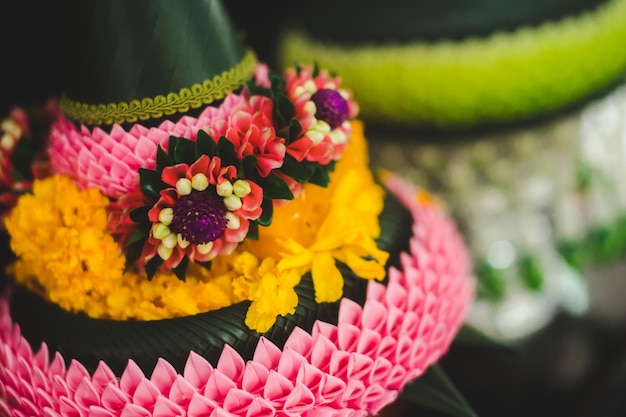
(131, 61)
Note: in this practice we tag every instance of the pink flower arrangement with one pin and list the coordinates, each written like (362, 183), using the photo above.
(110, 160)
(353, 368)
(272, 137)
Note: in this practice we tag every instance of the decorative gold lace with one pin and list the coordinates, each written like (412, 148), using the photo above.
(159, 106)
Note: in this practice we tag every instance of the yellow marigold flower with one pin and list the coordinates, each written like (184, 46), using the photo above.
(59, 235)
(319, 227)
(272, 295)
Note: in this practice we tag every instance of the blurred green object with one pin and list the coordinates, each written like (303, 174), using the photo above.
(508, 76)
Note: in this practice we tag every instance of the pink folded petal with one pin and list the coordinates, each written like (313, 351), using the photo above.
(146, 394)
(181, 391)
(290, 363)
(299, 400)
(163, 376)
(231, 364)
(165, 407)
(197, 370)
(254, 377)
(200, 406)
(267, 354)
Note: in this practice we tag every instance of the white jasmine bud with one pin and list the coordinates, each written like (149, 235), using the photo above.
(233, 221)
(224, 189)
(183, 186)
(166, 215)
(241, 188)
(160, 231)
(205, 248)
(199, 182)
(232, 202)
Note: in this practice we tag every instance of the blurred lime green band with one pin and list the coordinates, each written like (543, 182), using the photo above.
(506, 77)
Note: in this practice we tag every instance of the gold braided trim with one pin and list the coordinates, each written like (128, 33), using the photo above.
(159, 106)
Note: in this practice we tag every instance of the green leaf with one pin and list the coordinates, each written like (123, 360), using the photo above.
(248, 166)
(162, 159)
(151, 184)
(22, 157)
(171, 145)
(152, 266)
(268, 212)
(206, 265)
(295, 129)
(205, 145)
(136, 236)
(275, 188)
(226, 151)
(286, 110)
(320, 176)
(253, 231)
(133, 252)
(434, 390)
(181, 270)
(531, 273)
(185, 151)
(277, 82)
(258, 90)
(316, 69)
(140, 214)
(299, 171)
(491, 282)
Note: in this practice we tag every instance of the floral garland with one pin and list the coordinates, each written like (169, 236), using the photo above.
(203, 202)
(205, 196)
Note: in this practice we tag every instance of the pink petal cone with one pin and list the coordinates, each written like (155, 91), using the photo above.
(356, 367)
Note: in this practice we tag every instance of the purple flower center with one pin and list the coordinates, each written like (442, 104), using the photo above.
(199, 217)
(331, 107)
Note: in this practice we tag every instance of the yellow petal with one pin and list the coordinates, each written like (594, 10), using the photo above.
(327, 279)
(364, 268)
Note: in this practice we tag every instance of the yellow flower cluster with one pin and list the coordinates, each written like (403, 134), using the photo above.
(66, 253)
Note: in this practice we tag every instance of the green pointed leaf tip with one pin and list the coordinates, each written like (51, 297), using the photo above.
(321, 176)
(531, 273)
(258, 90)
(181, 269)
(277, 82)
(286, 110)
(435, 391)
(295, 130)
(249, 166)
(152, 266)
(268, 212)
(184, 151)
(299, 171)
(316, 69)
(140, 214)
(133, 252)
(151, 184)
(171, 145)
(253, 231)
(226, 151)
(162, 159)
(275, 188)
(205, 145)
